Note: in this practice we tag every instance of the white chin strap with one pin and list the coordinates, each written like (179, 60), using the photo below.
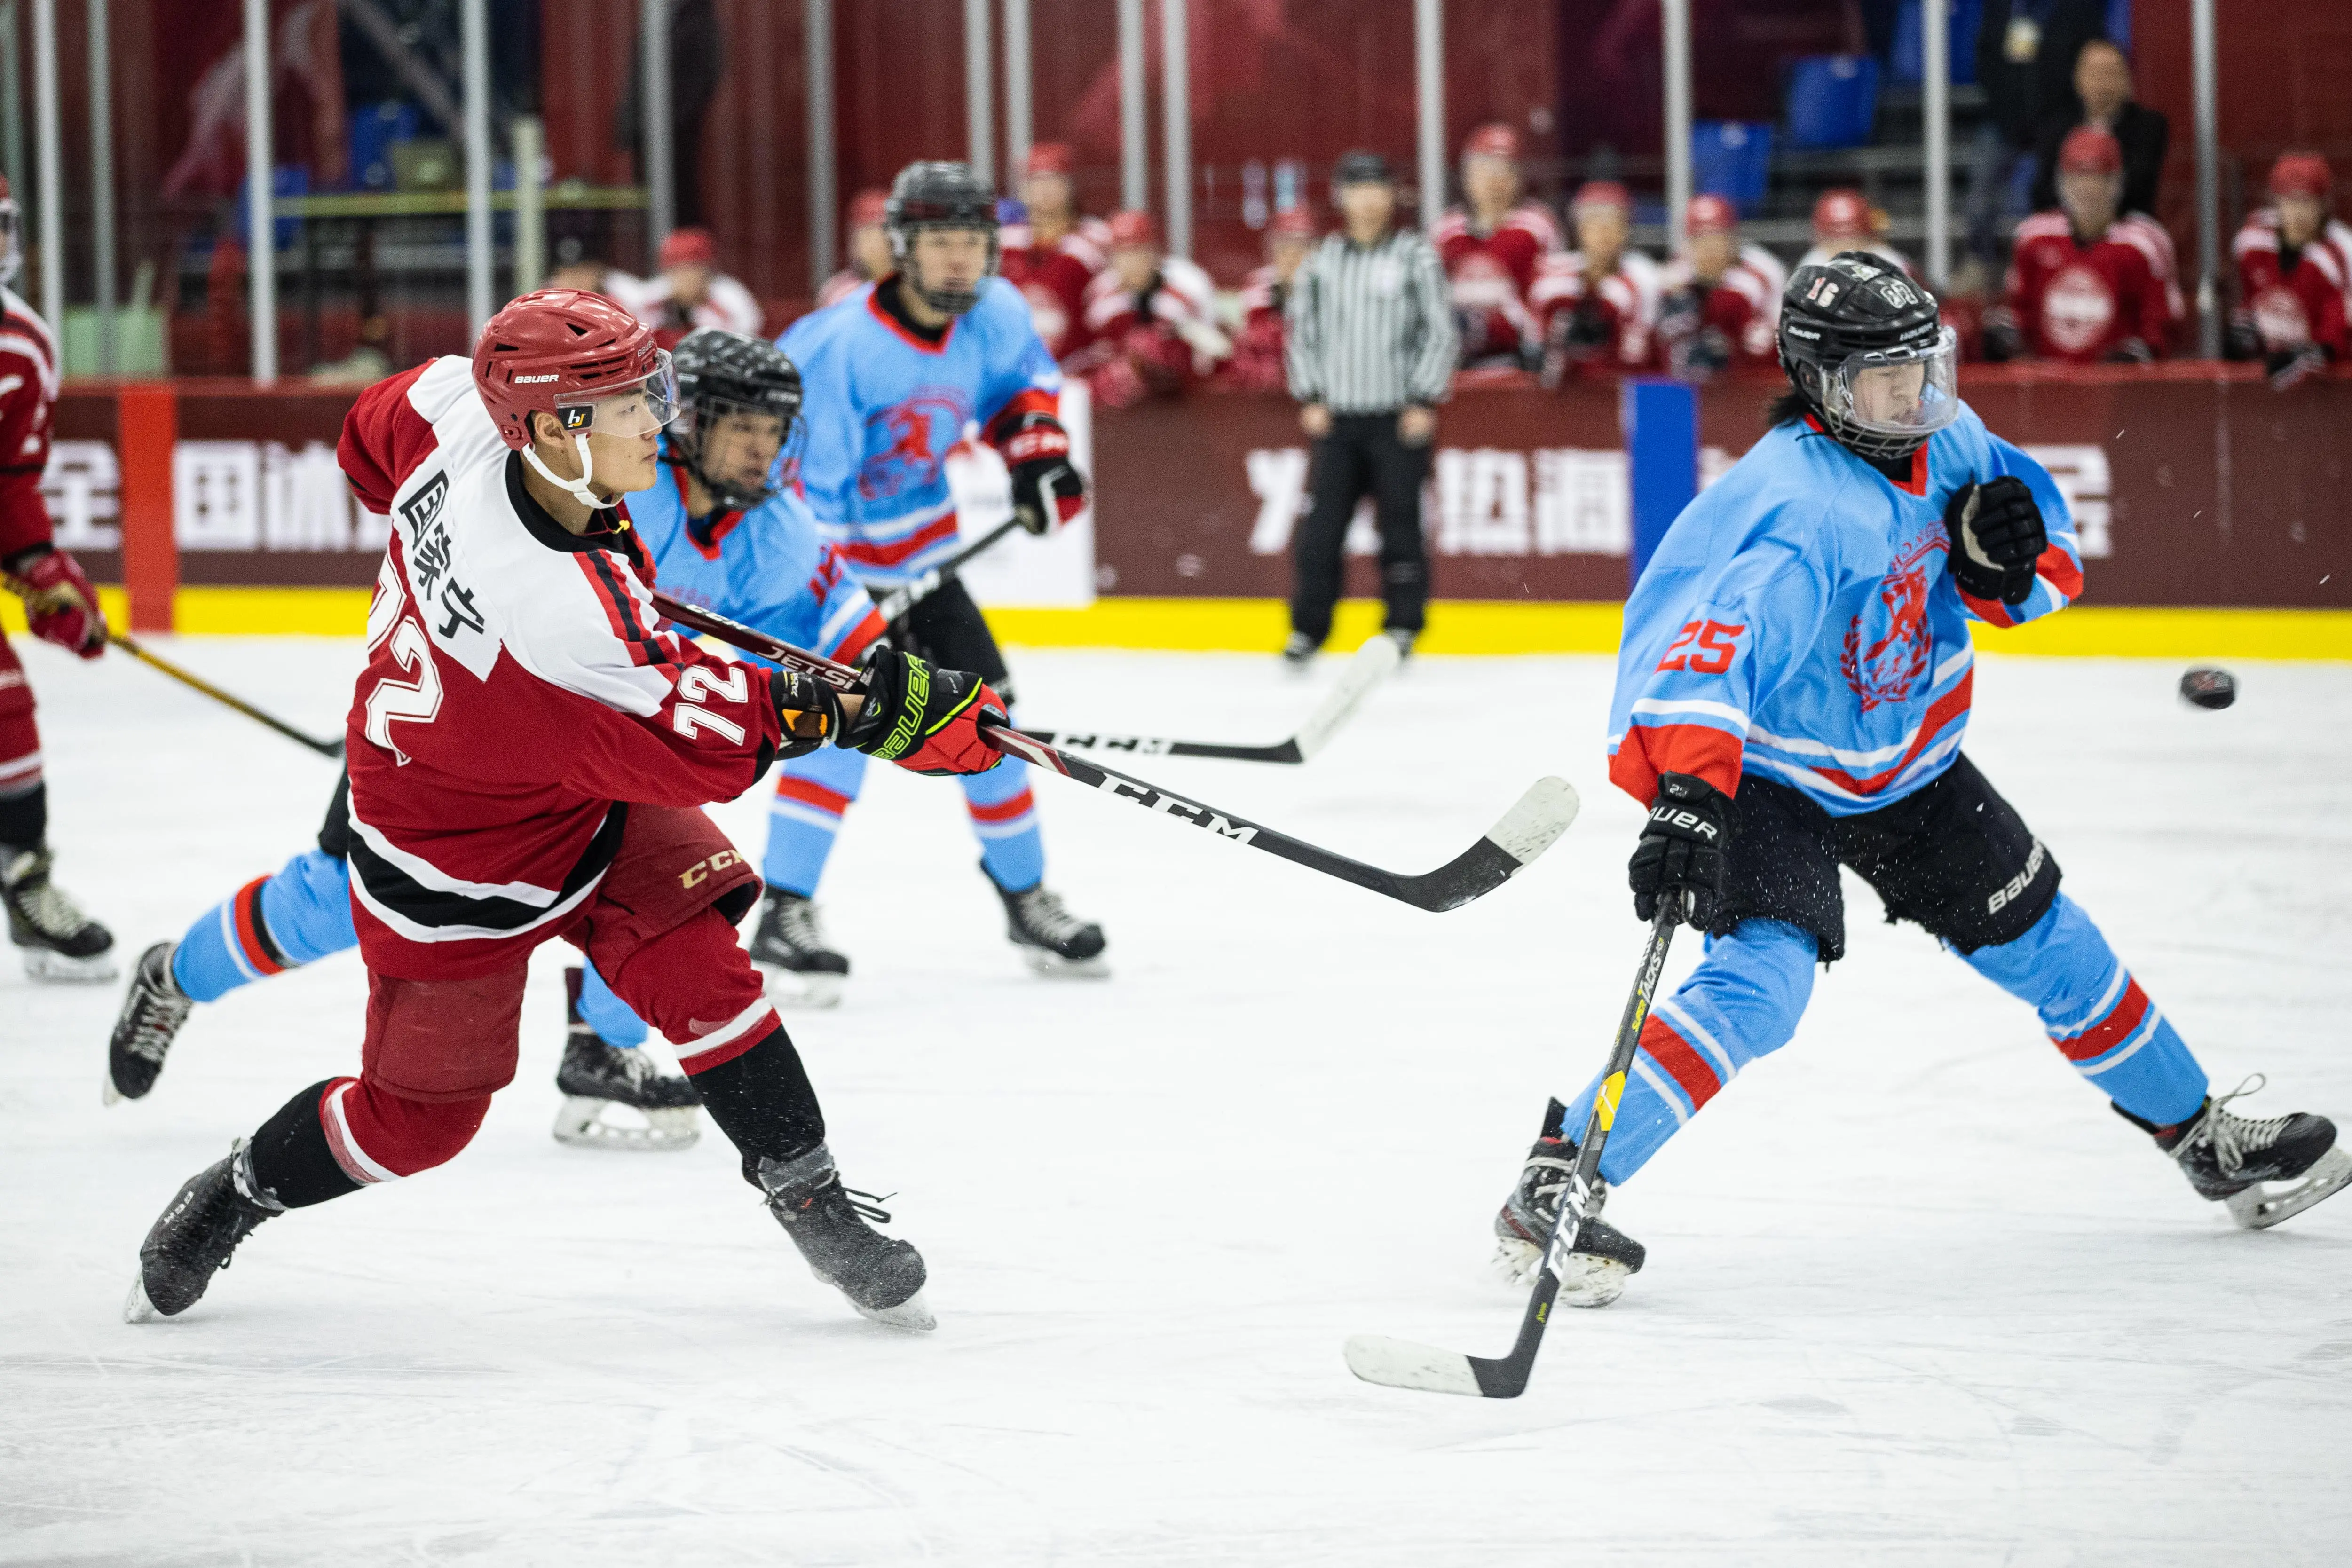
(578, 488)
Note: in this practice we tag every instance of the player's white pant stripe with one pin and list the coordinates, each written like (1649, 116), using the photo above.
(2147, 1032)
(1723, 711)
(229, 940)
(346, 1148)
(733, 1029)
(29, 763)
(424, 873)
(1664, 1090)
(1687, 1027)
(403, 925)
(2105, 1005)
(829, 820)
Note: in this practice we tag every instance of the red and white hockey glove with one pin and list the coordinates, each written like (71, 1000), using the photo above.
(60, 603)
(924, 718)
(1046, 490)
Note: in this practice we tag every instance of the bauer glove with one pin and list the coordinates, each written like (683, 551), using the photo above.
(925, 719)
(1997, 536)
(1046, 490)
(1680, 855)
(59, 603)
(808, 711)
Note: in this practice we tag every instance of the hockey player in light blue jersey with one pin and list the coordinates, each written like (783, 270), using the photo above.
(1793, 688)
(894, 376)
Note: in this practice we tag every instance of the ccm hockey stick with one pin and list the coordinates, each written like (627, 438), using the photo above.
(906, 595)
(1372, 665)
(332, 749)
(1401, 1364)
(1526, 831)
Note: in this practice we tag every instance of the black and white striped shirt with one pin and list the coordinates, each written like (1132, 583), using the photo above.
(1370, 327)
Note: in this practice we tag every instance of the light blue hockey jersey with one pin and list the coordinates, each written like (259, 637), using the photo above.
(768, 568)
(1797, 621)
(884, 409)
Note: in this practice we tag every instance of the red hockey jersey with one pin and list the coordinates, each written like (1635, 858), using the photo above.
(1491, 274)
(516, 695)
(29, 397)
(2304, 303)
(1623, 306)
(2077, 302)
(1734, 321)
(1257, 352)
(1053, 280)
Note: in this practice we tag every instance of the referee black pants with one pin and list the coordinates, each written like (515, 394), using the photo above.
(1361, 457)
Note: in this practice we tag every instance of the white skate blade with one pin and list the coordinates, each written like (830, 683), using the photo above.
(137, 1308)
(914, 1313)
(790, 989)
(581, 1121)
(1401, 1364)
(1053, 966)
(57, 969)
(108, 1095)
(2265, 1204)
(1586, 1281)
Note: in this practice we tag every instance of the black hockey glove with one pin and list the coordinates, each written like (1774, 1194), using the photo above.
(2287, 366)
(807, 710)
(924, 718)
(1997, 536)
(1046, 490)
(1681, 852)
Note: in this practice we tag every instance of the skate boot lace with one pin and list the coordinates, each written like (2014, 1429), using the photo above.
(796, 923)
(40, 904)
(159, 1015)
(2233, 1135)
(1547, 1191)
(1043, 913)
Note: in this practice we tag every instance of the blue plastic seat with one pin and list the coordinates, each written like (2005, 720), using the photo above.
(1731, 158)
(1906, 56)
(1833, 100)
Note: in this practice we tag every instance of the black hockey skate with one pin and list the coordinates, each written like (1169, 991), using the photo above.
(57, 940)
(1605, 1259)
(215, 1208)
(882, 1276)
(153, 1011)
(790, 948)
(2230, 1159)
(597, 1076)
(1055, 941)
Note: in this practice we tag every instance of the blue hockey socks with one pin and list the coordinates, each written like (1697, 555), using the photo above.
(608, 1015)
(806, 817)
(270, 924)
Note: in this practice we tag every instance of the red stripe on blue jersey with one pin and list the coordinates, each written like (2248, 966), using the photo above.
(1697, 749)
(898, 551)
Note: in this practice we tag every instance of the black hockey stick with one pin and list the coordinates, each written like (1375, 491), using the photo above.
(123, 640)
(1371, 665)
(1526, 831)
(906, 595)
(1401, 1364)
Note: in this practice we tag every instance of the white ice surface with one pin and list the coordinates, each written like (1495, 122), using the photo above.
(1913, 1295)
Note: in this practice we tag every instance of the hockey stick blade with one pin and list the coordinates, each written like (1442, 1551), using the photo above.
(1372, 665)
(1401, 1364)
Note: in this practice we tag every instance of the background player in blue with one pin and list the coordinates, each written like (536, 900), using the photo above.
(894, 374)
(1792, 687)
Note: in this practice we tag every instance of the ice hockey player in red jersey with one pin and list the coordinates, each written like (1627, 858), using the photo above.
(1053, 253)
(1265, 294)
(1844, 220)
(528, 747)
(1151, 319)
(2085, 285)
(2294, 275)
(57, 940)
(1719, 302)
(1596, 306)
(1491, 245)
(868, 244)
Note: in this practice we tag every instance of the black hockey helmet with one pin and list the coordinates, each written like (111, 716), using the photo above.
(940, 195)
(1361, 166)
(721, 373)
(1849, 329)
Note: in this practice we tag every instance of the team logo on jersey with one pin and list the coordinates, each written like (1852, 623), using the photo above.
(1885, 665)
(2280, 318)
(2077, 308)
(907, 444)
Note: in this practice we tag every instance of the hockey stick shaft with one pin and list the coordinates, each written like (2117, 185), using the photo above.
(1529, 829)
(1371, 663)
(123, 640)
(906, 595)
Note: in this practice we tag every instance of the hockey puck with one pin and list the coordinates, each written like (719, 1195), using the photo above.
(2209, 688)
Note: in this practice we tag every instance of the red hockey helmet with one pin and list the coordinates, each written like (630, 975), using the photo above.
(581, 358)
(2301, 174)
(1133, 230)
(1841, 214)
(1495, 140)
(871, 208)
(1600, 193)
(1709, 213)
(2090, 150)
(688, 247)
(1050, 158)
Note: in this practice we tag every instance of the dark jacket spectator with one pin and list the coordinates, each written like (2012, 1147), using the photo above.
(2103, 84)
(2025, 61)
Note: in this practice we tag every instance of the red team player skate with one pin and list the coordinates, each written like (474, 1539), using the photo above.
(528, 751)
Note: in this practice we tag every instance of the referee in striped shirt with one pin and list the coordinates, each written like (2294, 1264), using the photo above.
(1369, 349)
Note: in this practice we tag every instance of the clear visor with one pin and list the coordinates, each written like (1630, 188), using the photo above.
(1898, 391)
(634, 410)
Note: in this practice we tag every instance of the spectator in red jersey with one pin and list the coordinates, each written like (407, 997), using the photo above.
(2085, 286)
(1719, 302)
(1491, 245)
(1596, 306)
(1265, 293)
(1844, 220)
(1052, 257)
(868, 244)
(691, 292)
(2295, 269)
(1152, 318)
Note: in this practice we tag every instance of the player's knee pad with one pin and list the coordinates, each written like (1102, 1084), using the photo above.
(694, 983)
(306, 908)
